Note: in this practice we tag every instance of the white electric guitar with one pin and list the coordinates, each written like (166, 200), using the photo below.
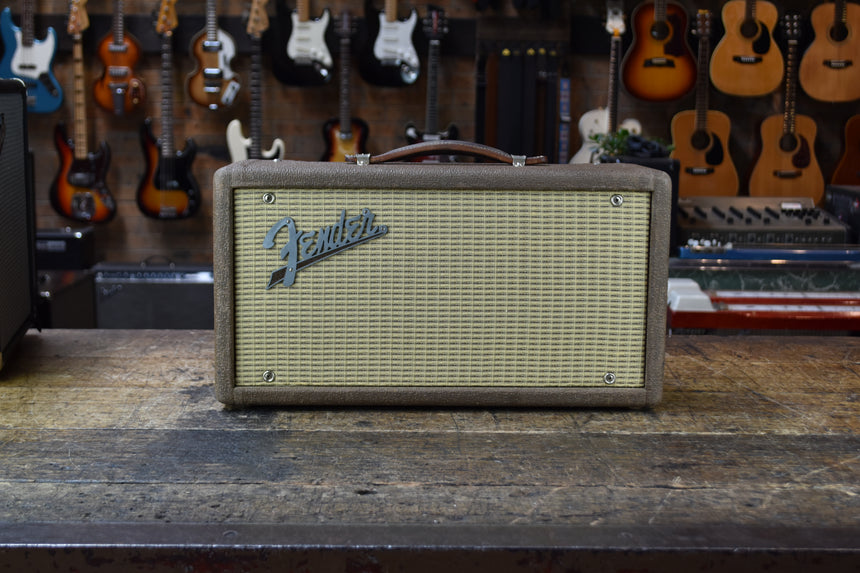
(605, 120)
(249, 148)
(307, 38)
(393, 60)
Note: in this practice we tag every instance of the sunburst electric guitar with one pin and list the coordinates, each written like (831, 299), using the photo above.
(344, 135)
(659, 65)
(701, 136)
(119, 90)
(239, 146)
(747, 62)
(79, 191)
(389, 58)
(168, 189)
(605, 120)
(830, 68)
(30, 60)
(213, 84)
(787, 166)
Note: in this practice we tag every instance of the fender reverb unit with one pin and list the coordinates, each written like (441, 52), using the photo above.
(440, 284)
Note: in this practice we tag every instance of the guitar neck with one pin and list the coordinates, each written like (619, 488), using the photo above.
(390, 10)
(612, 104)
(840, 13)
(749, 11)
(27, 35)
(167, 147)
(211, 23)
(789, 115)
(118, 24)
(345, 113)
(255, 150)
(702, 83)
(79, 111)
(659, 10)
(303, 10)
(431, 119)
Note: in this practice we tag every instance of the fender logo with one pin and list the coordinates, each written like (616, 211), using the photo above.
(317, 245)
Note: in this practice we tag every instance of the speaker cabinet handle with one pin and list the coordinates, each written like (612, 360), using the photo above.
(446, 147)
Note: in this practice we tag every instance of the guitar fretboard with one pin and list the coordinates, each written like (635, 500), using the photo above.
(118, 24)
(345, 113)
(612, 107)
(431, 119)
(79, 99)
(167, 147)
(790, 106)
(702, 82)
(256, 110)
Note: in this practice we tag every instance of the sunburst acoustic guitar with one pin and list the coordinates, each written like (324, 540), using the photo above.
(787, 166)
(747, 61)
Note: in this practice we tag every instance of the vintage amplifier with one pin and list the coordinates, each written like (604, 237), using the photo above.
(440, 284)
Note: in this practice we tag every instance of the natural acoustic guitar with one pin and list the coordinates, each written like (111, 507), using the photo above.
(830, 68)
(787, 166)
(747, 61)
(659, 65)
(701, 136)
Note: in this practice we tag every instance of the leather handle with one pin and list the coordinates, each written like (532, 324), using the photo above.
(447, 147)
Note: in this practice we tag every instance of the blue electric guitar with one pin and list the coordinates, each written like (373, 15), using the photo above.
(30, 60)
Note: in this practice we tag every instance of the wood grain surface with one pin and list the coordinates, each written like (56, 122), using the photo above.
(116, 435)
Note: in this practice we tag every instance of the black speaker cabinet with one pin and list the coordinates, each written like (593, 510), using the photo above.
(440, 284)
(17, 220)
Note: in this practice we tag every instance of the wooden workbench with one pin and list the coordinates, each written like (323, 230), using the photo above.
(115, 455)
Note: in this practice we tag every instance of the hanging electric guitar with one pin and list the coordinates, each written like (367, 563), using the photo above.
(747, 61)
(787, 166)
(79, 191)
(659, 65)
(848, 170)
(30, 60)
(830, 68)
(251, 148)
(390, 58)
(304, 59)
(167, 189)
(344, 135)
(435, 27)
(213, 84)
(119, 90)
(601, 121)
(701, 136)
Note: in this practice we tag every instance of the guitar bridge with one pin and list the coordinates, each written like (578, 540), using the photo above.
(659, 63)
(747, 59)
(787, 173)
(838, 64)
(699, 170)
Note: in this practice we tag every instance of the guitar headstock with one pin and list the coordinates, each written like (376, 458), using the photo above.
(615, 18)
(703, 23)
(345, 28)
(165, 18)
(435, 23)
(258, 19)
(791, 27)
(78, 18)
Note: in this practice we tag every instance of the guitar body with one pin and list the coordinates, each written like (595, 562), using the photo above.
(659, 69)
(830, 69)
(747, 66)
(706, 166)
(32, 64)
(300, 54)
(791, 172)
(168, 189)
(390, 59)
(119, 90)
(238, 144)
(79, 191)
(338, 147)
(848, 170)
(213, 90)
(596, 122)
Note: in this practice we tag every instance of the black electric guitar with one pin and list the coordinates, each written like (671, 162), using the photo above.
(168, 189)
(435, 27)
(79, 191)
(344, 135)
(389, 58)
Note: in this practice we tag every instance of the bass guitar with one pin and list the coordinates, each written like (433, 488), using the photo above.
(848, 170)
(344, 135)
(830, 68)
(30, 60)
(168, 189)
(701, 136)
(79, 191)
(119, 90)
(304, 59)
(659, 65)
(213, 83)
(747, 62)
(250, 148)
(787, 166)
(390, 58)
(435, 27)
(601, 121)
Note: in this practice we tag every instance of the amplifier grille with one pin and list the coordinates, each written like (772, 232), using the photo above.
(467, 288)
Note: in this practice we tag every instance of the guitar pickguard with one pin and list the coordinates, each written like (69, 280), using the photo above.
(32, 64)
(803, 157)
